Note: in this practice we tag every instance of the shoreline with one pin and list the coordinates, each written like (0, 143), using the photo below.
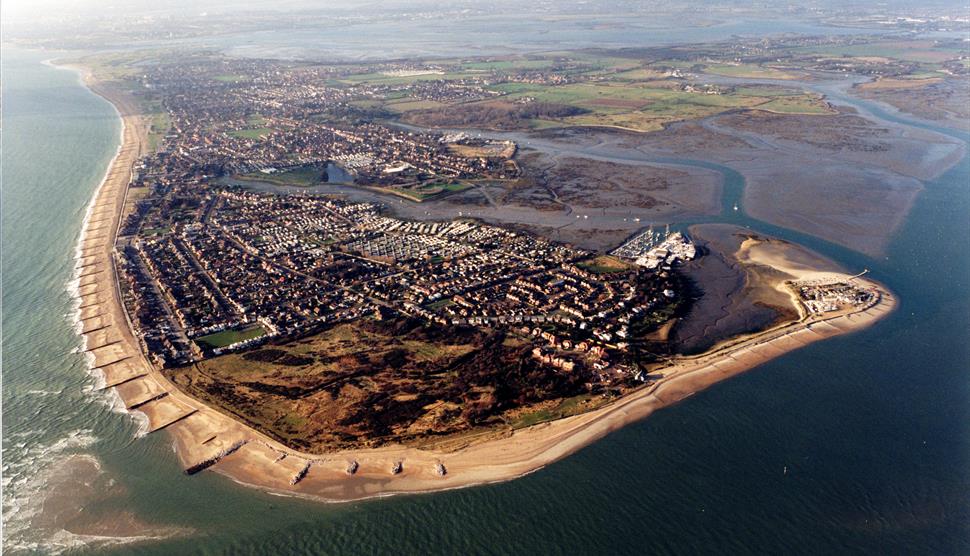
(114, 399)
(546, 443)
(206, 438)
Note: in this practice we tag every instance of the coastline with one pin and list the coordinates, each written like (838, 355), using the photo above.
(205, 438)
(77, 280)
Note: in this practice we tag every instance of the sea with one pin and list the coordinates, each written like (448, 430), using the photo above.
(856, 445)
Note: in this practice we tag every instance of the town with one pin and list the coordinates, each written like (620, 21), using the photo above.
(243, 268)
(211, 265)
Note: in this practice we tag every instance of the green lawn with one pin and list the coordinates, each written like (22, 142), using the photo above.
(229, 337)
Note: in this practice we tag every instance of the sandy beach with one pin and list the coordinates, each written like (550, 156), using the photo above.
(208, 439)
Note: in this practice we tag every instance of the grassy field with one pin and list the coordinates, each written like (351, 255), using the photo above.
(229, 337)
(441, 303)
(425, 191)
(605, 264)
(409, 104)
(431, 189)
(255, 133)
(377, 78)
(749, 71)
(911, 51)
(256, 120)
(909, 82)
(564, 408)
(230, 78)
(766, 91)
(499, 65)
(632, 96)
(649, 106)
(301, 176)
(803, 104)
(160, 124)
(604, 62)
(615, 91)
(640, 74)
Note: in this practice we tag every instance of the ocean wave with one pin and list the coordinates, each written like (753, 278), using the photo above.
(26, 495)
(44, 392)
(64, 541)
(25, 470)
(97, 391)
(109, 398)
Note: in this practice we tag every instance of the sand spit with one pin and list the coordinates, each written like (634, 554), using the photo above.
(206, 438)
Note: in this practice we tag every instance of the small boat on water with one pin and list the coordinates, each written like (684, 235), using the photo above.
(397, 468)
(735, 206)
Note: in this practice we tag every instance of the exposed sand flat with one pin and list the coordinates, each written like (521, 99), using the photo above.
(95, 323)
(122, 372)
(88, 279)
(101, 337)
(137, 391)
(164, 411)
(207, 438)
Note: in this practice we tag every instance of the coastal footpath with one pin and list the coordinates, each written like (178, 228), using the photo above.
(206, 438)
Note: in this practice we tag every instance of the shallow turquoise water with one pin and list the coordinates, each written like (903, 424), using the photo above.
(873, 427)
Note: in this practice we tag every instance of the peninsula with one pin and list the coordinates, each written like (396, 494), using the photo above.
(333, 345)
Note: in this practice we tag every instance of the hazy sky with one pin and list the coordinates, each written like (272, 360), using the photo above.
(59, 19)
(55, 8)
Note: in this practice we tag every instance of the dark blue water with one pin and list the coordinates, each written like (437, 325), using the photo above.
(873, 427)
